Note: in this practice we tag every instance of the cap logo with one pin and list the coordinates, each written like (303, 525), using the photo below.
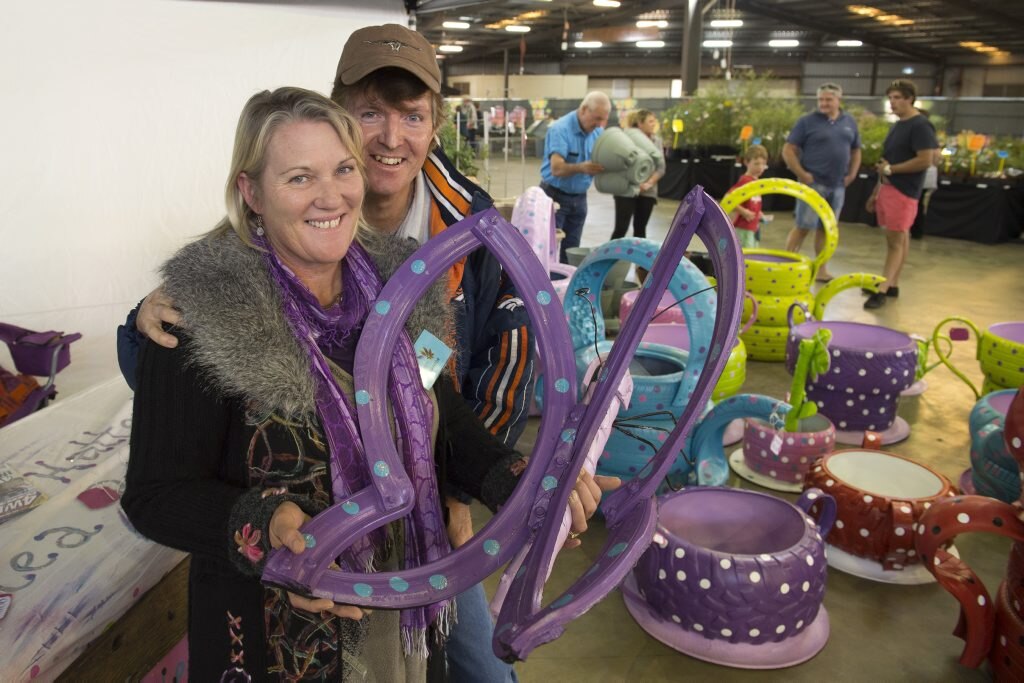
(395, 45)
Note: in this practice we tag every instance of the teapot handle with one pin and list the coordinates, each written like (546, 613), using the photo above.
(938, 526)
(815, 498)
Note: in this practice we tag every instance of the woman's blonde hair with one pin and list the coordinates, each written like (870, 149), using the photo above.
(261, 116)
(638, 116)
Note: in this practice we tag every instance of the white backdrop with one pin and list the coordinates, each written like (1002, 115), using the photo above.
(117, 123)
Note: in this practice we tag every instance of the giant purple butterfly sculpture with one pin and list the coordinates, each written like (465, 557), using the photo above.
(568, 434)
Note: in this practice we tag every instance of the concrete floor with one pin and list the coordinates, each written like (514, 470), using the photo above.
(880, 632)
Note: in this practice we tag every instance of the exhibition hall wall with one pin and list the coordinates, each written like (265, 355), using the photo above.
(118, 120)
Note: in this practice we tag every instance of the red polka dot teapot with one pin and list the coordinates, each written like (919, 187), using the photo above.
(992, 629)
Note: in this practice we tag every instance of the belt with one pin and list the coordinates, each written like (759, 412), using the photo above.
(549, 187)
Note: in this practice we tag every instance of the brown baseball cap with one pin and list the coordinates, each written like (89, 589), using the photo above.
(377, 47)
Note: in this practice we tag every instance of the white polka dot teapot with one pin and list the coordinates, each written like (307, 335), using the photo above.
(871, 365)
(1000, 352)
(992, 629)
(880, 498)
(736, 577)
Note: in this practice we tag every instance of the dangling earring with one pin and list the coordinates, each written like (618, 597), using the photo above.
(259, 225)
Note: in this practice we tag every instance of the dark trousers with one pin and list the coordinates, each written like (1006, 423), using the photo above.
(637, 208)
(569, 218)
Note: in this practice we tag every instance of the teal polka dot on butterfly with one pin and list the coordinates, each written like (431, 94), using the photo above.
(491, 547)
(548, 483)
(617, 549)
(363, 590)
(543, 298)
(569, 435)
(351, 507)
(381, 469)
(561, 385)
(398, 584)
(721, 244)
(418, 266)
(595, 568)
(439, 581)
(562, 601)
(383, 307)
(362, 397)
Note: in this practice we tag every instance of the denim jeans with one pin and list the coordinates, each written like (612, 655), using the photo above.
(570, 217)
(807, 219)
(471, 658)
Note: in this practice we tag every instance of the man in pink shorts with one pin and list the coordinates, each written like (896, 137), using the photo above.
(907, 153)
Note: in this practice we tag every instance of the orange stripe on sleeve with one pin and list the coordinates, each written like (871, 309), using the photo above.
(517, 378)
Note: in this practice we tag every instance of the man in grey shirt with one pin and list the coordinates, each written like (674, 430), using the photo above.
(823, 150)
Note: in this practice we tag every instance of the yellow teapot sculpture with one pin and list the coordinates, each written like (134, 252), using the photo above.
(779, 279)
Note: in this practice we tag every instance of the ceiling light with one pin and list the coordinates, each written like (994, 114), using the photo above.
(652, 23)
(456, 24)
(786, 42)
(986, 48)
(607, 3)
(517, 28)
(726, 23)
(650, 43)
(864, 10)
(450, 48)
(587, 43)
(717, 43)
(971, 44)
(849, 43)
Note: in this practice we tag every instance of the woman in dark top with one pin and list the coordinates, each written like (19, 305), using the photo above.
(235, 430)
(639, 208)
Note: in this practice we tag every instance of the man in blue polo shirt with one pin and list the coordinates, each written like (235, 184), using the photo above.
(567, 171)
(823, 150)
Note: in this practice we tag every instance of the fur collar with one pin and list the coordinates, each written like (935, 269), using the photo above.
(238, 335)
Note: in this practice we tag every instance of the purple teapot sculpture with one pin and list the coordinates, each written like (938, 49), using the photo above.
(568, 434)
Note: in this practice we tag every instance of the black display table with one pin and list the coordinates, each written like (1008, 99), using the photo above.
(976, 209)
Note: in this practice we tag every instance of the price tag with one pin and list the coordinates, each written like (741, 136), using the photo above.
(431, 355)
(776, 445)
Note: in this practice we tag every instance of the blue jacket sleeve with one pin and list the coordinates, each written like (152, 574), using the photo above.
(497, 378)
(128, 342)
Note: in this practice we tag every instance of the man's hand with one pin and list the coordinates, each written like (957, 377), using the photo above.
(157, 308)
(805, 177)
(591, 168)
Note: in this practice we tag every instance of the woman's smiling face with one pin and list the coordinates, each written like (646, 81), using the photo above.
(309, 194)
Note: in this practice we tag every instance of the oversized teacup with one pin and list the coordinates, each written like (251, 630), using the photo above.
(879, 499)
(735, 577)
(871, 365)
(786, 461)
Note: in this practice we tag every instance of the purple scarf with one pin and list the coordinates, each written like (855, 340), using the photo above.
(321, 331)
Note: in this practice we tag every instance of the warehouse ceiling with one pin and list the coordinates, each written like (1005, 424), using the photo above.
(933, 31)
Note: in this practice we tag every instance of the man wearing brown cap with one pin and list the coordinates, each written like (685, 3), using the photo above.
(389, 80)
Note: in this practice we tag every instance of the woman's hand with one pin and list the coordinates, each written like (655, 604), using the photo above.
(583, 502)
(157, 308)
(460, 522)
(284, 531)
(870, 205)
